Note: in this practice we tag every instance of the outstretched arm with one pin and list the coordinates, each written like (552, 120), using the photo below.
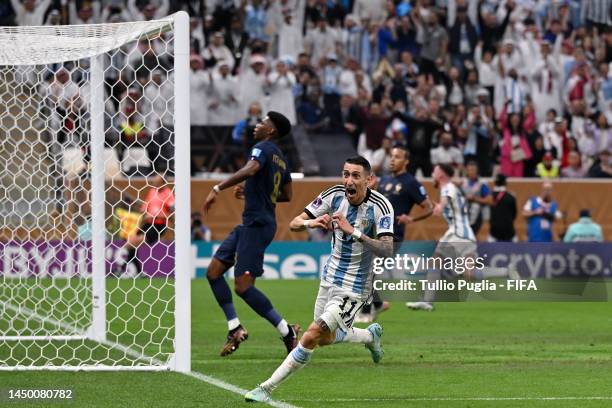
(249, 170)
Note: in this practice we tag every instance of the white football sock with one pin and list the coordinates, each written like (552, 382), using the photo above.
(297, 359)
(283, 328)
(354, 335)
(232, 324)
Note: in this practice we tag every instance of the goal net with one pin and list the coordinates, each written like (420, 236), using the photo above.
(94, 197)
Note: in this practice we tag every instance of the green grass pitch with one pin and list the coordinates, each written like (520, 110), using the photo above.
(456, 356)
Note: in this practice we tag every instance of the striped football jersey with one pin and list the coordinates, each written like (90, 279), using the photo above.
(350, 263)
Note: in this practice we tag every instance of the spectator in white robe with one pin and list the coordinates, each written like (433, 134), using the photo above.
(546, 81)
(280, 84)
(30, 12)
(200, 82)
(253, 82)
(223, 103)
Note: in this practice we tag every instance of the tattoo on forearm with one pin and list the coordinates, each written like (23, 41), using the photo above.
(381, 247)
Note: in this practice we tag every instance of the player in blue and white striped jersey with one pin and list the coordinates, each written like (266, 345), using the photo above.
(459, 240)
(362, 220)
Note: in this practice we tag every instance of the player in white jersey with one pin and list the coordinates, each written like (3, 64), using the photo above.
(459, 240)
(362, 220)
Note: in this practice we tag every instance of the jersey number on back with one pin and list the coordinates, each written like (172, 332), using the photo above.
(277, 182)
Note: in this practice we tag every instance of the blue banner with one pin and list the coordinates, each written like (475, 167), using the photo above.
(305, 260)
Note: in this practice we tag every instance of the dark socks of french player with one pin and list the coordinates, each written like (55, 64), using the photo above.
(223, 294)
(261, 304)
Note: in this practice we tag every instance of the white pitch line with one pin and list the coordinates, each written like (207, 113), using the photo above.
(138, 355)
(417, 399)
(232, 388)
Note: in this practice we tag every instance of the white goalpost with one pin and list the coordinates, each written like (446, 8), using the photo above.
(95, 197)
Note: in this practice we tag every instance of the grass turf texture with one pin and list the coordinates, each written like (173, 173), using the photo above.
(460, 351)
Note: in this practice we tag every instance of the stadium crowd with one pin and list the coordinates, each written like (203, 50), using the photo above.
(522, 86)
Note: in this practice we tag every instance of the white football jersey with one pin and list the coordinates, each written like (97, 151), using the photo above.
(456, 214)
(350, 263)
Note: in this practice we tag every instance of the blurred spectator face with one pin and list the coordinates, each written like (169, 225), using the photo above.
(407, 58)
(551, 115)
(349, 22)
(545, 49)
(602, 122)
(149, 11)
(398, 161)
(578, 107)
(255, 110)
(604, 158)
(281, 68)
(421, 114)
(515, 121)
(157, 77)
(352, 64)
(472, 171)
(446, 140)
(509, 48)
(462, 14)
(196, 63)
(258, 67)
(555, 27)
(303, 60)
(85, 13)
(539, 143)
(454, 74)
(547, 160)
(363, 95)
(490, 20)
(487, 57)
(224, 69)
(129, 109)
(375, 109)
(434, 106)
(572, 144)
(322, 24)
(604, 69)
(346, 101)
(29, 5)
(513, 74)
(218, 39)
(433, 19)
(546, 192)
(574, 160)
(208, 22)
(236, 25)
(560, 126)
(472, 77)
(62, 76)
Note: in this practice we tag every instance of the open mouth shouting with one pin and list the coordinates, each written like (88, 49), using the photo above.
(351, 192)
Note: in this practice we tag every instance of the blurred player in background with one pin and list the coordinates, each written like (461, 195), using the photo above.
(157, 206)
(362, 220)
(268, 181)
(403, 191)
(459, 240)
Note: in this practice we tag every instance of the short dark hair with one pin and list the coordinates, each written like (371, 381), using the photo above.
(404, 149)
(471, 163)
(360, 161)
(447, 169)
